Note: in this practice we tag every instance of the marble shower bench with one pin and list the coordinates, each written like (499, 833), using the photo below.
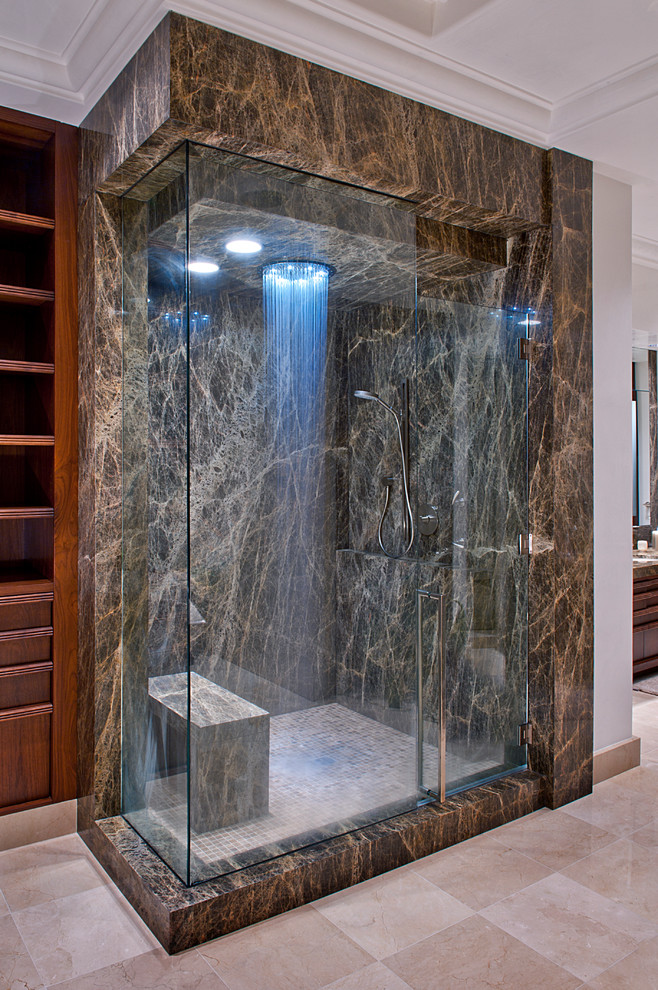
(229, 748)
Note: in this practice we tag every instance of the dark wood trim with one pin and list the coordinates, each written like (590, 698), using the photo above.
(24, 584)
(32, 633)
(26, 599)
(26, 668)
(25, 129)
(12, 809)
(25, 223)
(25, 712)
(26, 512)
(38, 492)
(26, 440)
(19, 295)
(27, 368)
(65, 621)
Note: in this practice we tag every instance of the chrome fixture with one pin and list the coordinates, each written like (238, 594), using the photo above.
(422, 595)
(428, 519)
(403, 432)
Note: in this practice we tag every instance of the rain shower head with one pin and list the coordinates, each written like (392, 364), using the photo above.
(361, 393)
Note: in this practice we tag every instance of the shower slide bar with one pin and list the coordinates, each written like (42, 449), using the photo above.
(422, 596)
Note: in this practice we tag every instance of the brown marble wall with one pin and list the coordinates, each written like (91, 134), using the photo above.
(573, 651)
(194, 81)
(135, 106)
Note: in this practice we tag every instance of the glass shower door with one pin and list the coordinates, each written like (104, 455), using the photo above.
(472, 609)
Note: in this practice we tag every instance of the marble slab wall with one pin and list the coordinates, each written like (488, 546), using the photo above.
(468, 457)
(573, 661)
(195, 81)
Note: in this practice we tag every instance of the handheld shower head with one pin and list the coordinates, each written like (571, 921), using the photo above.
(362, 393)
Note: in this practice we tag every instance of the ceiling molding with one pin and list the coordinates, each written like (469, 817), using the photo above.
(345, 36)
(608, 96)
(645, 251)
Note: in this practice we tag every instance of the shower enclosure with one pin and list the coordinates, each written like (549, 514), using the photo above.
(295, 666)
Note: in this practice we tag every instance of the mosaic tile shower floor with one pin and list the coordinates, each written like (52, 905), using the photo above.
(328, 765)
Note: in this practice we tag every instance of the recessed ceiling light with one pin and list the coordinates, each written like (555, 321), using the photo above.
(203, 267)
(244, 246)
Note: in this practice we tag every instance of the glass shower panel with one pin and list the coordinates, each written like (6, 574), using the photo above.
(282, 754)
(473, 470)
(155, 438)
(295, 664)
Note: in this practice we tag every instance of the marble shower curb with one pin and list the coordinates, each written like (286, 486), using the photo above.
(181, 917)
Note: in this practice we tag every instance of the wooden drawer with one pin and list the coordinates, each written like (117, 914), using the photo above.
(650, 642)
(28, 684)
(25, 646)
(24, 758)
(25, 614)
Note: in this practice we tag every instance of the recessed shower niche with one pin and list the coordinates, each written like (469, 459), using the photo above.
(301, 658)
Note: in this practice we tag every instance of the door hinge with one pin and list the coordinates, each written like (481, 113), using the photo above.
(525, 349)
(525, 734)
(525, 544)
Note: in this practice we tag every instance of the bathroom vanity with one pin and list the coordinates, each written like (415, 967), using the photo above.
(645, 612)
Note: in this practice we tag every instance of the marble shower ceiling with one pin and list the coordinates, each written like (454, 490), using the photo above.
(580, 75)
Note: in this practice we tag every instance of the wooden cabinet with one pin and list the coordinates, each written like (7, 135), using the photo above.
(645, 622)
(38, 460)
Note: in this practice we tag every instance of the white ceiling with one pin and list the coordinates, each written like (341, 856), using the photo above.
(576, 74)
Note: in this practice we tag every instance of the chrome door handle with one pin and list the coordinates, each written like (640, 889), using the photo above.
(423, 595)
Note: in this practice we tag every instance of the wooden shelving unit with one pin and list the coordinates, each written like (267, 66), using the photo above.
(38, 461)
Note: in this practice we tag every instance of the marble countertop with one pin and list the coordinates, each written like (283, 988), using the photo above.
(645, 563)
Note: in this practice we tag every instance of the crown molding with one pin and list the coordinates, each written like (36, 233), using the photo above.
(645, 252)
(610, 95)
(346, 37)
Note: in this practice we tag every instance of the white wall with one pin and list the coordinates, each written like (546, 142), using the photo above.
(645, 301)
(613, 574)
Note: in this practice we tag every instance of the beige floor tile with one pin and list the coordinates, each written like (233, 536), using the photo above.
(151, 971)
(387, 914)
(640, 698)
(615, 808)
(639, 971)
(477, 955)
(644, 780)
(300, 949)
(571, 925)
(4, 907)
(646, 727)
(375, 977)
(81, 933)
(481, 871)
(553, 838)
(17, 971)
(647, 836)
(37, 824)
(625, 872)
(47, 870)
